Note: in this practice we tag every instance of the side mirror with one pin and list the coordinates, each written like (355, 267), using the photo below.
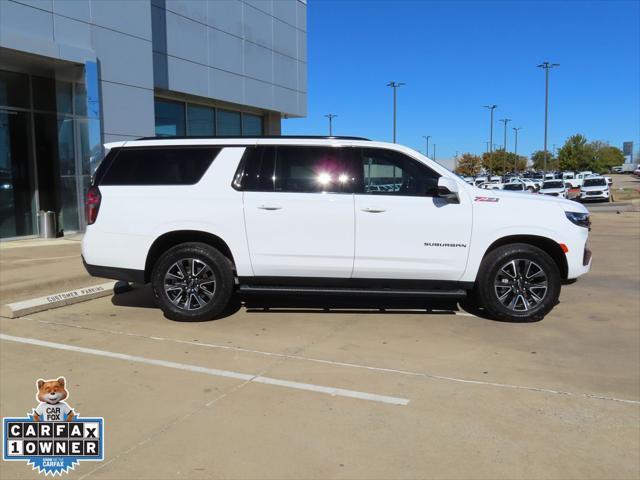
(448, 190)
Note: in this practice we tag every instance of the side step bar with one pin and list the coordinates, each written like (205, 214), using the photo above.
(433, 293)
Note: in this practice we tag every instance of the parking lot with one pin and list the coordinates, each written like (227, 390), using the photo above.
(348, 393)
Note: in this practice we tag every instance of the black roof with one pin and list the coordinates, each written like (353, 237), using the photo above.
(234, 137)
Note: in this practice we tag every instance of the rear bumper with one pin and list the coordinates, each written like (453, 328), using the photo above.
(124, 274)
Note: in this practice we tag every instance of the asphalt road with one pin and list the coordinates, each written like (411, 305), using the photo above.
(301, 393)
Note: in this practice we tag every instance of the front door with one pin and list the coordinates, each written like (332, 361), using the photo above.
(403, 230)
(298, 211)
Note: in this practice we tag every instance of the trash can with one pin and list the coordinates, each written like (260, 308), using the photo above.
(47, 224)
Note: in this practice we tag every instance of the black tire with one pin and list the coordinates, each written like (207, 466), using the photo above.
(196, 299)
(495, 282)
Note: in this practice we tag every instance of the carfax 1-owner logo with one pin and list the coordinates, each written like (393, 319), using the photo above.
(53, 438)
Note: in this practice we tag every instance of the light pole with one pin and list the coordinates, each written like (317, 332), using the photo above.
(395, 86)
(547, 66)
(516, 129)
(492, 108)
(505, 121)
(434, 152)
(331, 116)
(504, 145)
(427, 137)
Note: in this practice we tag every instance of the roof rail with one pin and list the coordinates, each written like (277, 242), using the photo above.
(235, 137)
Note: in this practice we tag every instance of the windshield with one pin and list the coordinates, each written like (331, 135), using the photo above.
(594, 182)
(513, 186)
(554, 184)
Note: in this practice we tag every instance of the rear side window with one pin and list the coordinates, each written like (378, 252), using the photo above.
(158, 166)
(295, 169)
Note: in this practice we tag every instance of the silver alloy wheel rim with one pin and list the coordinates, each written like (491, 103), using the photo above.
(521, 285)
(189, 284)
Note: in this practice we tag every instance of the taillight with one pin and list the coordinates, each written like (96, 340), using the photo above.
(93, 204)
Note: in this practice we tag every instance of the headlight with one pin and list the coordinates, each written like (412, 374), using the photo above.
(580, 219)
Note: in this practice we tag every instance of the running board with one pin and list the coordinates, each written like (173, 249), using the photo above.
(387, 292)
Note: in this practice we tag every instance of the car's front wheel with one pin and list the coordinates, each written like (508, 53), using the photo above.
(192, 282)
(518, 282)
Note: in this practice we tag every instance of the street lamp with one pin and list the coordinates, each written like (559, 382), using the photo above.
(492, 108)
(516, 129)
(547, 66)
(434, 152)
(331, 116)
(504, 145)
(395, 86)
(427, 137)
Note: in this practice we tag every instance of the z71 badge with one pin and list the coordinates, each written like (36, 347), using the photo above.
(53, 439)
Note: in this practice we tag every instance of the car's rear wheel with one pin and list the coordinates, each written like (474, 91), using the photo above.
(518, 282)
(192, 282)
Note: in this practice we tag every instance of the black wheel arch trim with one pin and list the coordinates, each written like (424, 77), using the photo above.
(547, 245)
(115, 273)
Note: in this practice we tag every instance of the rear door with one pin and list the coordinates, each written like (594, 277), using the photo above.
(403, 230)
(298, 210)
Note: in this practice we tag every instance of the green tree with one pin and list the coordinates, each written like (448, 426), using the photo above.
(469, 164)
(501, 162)
(576, 154)
(537, 158)
(605, 156)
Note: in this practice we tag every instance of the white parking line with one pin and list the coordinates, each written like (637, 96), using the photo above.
(344, 364)
(335, 392)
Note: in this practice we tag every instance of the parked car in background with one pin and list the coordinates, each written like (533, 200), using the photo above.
(636, 172)
(609, 180)
(528, 183)
(515, 187)
(569, 178)
(594, 188)
(495, 179)
(555, 188)
(480, 180)
(469, 180)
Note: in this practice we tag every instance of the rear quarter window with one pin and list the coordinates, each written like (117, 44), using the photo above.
(157, 166)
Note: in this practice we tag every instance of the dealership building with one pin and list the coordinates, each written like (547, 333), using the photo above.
(75, 74)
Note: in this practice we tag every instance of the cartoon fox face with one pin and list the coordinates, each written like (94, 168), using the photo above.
(52, 391)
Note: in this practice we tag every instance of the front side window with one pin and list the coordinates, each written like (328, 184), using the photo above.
(295, 169)
(386, 172)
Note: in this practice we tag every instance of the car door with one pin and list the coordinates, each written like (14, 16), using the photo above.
(298, 211)
(403, 229)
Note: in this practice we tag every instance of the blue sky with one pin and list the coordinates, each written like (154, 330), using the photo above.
(456, 57)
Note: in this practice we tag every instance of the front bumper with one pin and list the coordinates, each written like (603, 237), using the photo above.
(604, 195)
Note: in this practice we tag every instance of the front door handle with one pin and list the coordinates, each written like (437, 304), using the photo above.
(374, 209)
(269, 206)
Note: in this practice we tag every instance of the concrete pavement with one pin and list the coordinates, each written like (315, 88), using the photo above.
(555, 399)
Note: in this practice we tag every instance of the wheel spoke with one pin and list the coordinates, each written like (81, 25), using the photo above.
(190, 284)
(520, 285)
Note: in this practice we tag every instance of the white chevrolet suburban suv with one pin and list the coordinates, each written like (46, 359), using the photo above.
(203, 218)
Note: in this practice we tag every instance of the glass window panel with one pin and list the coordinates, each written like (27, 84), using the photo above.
(311, 169)
(386, 172)
(228, 123)
(80, 99)
(14, 89)
(170, 120)
(17, 211)
(158, 166)
(51, 95)
(201, 121)
(68, 196)
(66, 151)
(251, 125)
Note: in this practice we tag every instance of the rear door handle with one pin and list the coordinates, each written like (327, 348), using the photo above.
(374, 209)
(269, 206)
